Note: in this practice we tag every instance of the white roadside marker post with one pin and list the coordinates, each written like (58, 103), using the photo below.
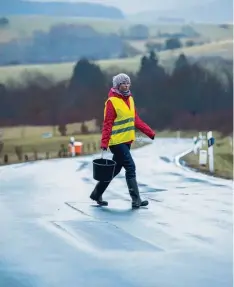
(210, 142)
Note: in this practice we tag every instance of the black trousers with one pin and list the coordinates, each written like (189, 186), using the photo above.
(123, 158)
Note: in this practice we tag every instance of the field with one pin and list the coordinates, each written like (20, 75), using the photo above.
(223, 159)
(42, 148)
(24, 26)
(64, 70)
(33, 140)
(20, 133)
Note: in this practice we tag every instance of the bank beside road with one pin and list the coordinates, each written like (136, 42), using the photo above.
(33, 148)
(223, 159)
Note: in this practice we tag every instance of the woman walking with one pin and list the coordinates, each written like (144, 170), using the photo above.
(118, 133)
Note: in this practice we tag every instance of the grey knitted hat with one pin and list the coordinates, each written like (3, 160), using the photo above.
(121, 78)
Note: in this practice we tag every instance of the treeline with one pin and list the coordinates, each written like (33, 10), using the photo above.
(68, 42)
(62, 43)
(190, 97)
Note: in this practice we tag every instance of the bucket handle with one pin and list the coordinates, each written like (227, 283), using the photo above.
(102, 155)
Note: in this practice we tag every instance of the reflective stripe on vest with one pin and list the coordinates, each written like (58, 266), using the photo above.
(123, 129)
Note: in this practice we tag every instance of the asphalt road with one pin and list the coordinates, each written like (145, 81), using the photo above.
(52, 235)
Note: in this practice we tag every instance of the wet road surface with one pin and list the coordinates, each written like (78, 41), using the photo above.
(53, 235)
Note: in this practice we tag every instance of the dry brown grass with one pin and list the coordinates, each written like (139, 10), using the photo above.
(223, 159)
(30, 140)
(49, 148)
(24, 132)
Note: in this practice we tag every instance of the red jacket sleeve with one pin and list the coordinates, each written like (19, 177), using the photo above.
(107, 124)
(143, 127)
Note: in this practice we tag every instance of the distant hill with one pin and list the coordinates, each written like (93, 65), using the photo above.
(18, 7)
(216, 11)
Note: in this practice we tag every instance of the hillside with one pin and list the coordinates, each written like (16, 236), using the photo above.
(166, 58)
(19, 26)
(19, 7)
(131, 7)
(199, 13)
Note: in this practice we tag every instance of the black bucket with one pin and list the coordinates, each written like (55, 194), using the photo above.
(103, 169)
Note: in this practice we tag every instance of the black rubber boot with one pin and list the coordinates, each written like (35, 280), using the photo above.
(96, 195)
(134, 193)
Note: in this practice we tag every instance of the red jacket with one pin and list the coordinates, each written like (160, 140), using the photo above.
(111, 116)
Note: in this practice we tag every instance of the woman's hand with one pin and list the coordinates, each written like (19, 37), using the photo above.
(103, 148)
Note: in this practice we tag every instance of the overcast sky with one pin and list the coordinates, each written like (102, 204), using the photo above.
(134, 6)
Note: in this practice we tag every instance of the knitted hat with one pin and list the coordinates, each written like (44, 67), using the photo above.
(119, 79)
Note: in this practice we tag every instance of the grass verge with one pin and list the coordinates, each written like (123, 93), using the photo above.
(35, 148)
(223, 159)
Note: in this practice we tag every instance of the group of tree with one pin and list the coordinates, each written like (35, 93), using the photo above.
(143, 32)
(168, 44)
(4, 22)
(62, 43)
(190, 97)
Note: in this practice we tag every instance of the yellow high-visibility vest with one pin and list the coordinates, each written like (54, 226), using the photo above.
(123, 129)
